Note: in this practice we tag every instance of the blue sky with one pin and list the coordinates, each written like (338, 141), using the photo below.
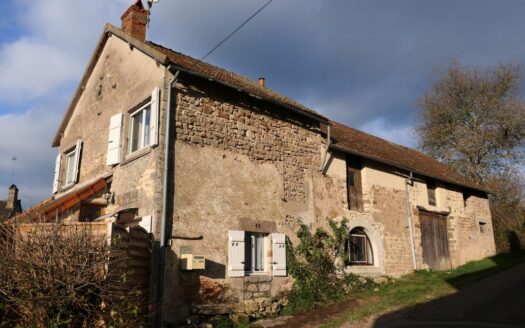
(363, 63)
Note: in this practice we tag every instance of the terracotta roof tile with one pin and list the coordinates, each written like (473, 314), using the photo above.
(390, 153)
(234, 80)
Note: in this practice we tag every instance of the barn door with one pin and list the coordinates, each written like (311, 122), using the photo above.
(434, 240)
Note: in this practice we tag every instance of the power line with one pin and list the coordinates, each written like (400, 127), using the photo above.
(236, 30)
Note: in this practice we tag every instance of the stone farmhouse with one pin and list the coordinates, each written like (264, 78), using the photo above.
(221, 170)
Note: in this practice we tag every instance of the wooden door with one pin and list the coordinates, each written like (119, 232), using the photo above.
(434, 240)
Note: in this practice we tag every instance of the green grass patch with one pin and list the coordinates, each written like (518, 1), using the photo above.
(423, 286)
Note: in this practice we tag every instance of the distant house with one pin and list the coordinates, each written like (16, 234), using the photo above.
(12, 206)
(222, 169)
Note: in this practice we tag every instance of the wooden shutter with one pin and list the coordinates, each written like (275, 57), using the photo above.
(236, 253)
(78, 151)
(115, 129)
(279, 254)
(155, 110)
(354, 184)
(57, 173)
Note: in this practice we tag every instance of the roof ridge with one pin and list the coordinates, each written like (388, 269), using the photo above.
(227, 76)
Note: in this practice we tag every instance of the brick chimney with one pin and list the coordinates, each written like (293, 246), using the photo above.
(134, 20)
(12, 197)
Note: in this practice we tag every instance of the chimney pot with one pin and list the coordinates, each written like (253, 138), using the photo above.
(135, 20)
(261, 81)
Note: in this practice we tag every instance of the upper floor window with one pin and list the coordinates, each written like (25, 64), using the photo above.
(143, 129)
(466, 196)
(69, 174)
(354, 184)
(431, 192)
(67, 167)
(140, 125)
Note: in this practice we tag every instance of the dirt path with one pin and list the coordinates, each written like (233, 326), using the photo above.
(310, 319)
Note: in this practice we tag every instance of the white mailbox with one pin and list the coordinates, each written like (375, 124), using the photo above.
(192, 262)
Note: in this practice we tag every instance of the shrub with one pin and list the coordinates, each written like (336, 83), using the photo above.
(64, 276)
(314, 264)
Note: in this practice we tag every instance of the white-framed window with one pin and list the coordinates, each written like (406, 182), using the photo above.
(248, 253)
(359, 248)
(255, 252)
(69, 173)
(70, 169)
(140, 127)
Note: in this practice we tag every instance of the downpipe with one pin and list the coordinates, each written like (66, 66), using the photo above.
(164, 235)
(408, 182)
(321, 168)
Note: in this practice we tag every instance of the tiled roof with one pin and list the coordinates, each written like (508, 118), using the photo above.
(383, 151)
(345, 137)
(50, 207)
(229, 78)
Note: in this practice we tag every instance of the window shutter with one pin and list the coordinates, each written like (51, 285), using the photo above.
(78, 151)
(57, 173)
(154, 124)
(279, 254)
(146, 223)
(115, 128)
(235, 253)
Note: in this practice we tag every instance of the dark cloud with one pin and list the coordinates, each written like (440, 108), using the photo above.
(363, 63)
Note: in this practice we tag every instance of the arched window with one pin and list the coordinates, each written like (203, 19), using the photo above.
(359, 249)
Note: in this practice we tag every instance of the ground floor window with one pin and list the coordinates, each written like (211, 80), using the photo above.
(358, 249)
(250, 253)
(254, 252)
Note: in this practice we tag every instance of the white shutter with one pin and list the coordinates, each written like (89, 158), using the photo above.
(235, 253)
(115, 128)
(57, 173)
(154, 124)
(78, 151)
(146, 222)
(279, 254)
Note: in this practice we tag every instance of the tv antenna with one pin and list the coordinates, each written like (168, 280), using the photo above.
(13, 159)
(150, 4)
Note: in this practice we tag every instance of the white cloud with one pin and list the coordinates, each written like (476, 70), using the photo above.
(31, 69)
(27, 137)
(400, 134)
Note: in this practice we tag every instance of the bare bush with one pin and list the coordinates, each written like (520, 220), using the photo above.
(55, 275)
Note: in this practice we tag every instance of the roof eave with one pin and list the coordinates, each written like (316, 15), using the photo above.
(404, 168)
(318, 118)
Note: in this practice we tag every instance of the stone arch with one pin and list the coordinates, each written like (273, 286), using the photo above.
(376, 242)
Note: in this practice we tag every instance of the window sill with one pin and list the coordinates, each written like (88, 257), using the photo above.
(67, 187)
(370, 270)
(434, 209)
(261, 273)
(136, 155)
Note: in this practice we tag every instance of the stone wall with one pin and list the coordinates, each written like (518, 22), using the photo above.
(240, 164)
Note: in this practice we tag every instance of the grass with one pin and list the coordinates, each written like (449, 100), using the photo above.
(423, 286)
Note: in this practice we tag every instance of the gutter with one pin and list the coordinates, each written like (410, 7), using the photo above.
(408, 182)
(404, 168)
